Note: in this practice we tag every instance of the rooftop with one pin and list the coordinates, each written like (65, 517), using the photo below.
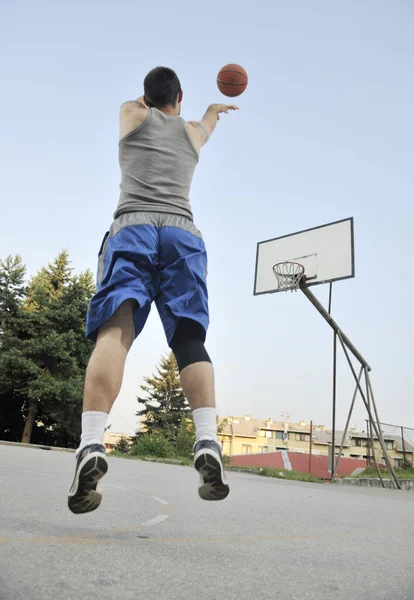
(245, 426)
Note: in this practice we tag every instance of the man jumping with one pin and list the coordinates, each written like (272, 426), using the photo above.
(152, 252)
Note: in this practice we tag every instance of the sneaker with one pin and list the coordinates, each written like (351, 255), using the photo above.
(208, 461)
(91, 465)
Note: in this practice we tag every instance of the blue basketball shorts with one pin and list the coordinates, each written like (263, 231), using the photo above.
(147, 256)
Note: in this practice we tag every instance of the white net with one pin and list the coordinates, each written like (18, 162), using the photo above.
(288, 275)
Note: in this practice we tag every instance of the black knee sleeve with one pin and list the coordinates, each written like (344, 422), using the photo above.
(189, 352)
(188, 344)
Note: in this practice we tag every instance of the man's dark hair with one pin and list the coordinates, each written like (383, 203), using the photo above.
(161, 87)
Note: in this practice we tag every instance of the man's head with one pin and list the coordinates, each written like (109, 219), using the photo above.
(162, 90)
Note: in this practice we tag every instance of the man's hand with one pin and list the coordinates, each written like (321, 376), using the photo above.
(212, 115)
(223, 108)
(201, 131)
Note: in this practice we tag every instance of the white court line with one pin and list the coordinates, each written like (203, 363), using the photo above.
(117, 487)
(160, 500)
(36, 473)
(155, 520)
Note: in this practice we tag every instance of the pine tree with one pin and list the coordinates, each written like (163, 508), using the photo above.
(44, 354)
(123, 445)
(12, 287)
(49, 283)
(165, 404)
(12, 294)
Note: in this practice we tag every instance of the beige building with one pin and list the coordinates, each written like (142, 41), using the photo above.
(244, 435)
(111, 439)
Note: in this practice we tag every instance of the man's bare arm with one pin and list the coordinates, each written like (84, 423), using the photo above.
(212, 115)
(132, 114)
(202, 130)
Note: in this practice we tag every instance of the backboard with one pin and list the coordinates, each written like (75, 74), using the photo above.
(326, 252)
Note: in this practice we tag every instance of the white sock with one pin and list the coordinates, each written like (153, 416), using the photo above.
(205, 424)
(93, 428)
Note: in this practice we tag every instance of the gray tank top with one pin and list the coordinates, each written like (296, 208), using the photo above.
(157, 161)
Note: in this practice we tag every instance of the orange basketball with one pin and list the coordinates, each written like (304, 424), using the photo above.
(232, 80)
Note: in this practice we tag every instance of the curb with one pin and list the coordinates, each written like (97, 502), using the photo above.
(166, 461)
(55, 448)
(406, 484)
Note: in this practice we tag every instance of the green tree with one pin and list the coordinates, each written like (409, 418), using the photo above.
(49, 283)
(123, 445)
(155, 444)
(45, 353)
(165, 404)
(12, 287)
(185, 441)
(12, 294)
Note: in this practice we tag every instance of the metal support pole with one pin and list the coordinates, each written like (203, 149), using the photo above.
(346, 343)
(333, 388)
(310, 296)
(379, 434)
(347, 424)
(374, 424)
(310, 447)
(403, 443)
(367, 406)
(368, 459)
(369, 431)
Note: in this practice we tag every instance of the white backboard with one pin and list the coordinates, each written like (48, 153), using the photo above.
(326, 252)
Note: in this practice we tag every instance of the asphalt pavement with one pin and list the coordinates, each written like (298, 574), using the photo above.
(153, 538)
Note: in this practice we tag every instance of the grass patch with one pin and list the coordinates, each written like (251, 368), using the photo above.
(263, 471)
(184, 460)
(278, 473)
(371, 473)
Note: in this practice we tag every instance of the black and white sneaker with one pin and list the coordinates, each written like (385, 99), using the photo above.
(208, 461)
(91, 466)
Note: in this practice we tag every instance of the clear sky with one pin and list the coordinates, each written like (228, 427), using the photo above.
(325, 132)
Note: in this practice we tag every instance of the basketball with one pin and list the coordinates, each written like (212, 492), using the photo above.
(232, 80)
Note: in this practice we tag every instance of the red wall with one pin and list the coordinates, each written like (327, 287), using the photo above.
(299, 462)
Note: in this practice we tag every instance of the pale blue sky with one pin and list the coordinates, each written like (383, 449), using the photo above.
(325, 132)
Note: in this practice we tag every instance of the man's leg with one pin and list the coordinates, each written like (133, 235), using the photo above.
(106, 365)
(102, 385)
(197, 380)
(197, 376)
(182, 303)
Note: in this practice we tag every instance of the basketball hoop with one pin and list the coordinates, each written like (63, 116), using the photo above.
(288, 275)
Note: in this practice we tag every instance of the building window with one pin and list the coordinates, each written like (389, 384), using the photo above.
(264, 449)
(262, 433)
(246, 449)
(360, 443)
(389, 445)
(280, 435)
(268, 434)
(302, 437)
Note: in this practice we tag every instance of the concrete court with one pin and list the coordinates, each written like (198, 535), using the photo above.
(153, 538)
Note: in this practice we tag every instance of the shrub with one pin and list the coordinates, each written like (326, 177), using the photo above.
(185, 439)
(123, 445)
(153, 445)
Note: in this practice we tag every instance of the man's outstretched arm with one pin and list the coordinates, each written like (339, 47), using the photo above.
(203, 129)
